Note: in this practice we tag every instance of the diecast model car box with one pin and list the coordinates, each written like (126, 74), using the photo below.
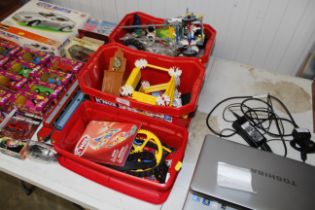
(30, 40)
(47, 20)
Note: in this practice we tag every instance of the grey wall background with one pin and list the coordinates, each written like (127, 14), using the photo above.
(272, 34)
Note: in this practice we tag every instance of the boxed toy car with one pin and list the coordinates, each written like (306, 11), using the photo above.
(80, 49)
(52, 25)
(65, 65)
(12, 147)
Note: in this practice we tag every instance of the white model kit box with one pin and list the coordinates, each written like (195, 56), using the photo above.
(46, 20)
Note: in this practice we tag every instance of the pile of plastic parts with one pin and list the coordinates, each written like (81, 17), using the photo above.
(176, 37)
(148, 158)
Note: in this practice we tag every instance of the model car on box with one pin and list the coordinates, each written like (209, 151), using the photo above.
(79, 52)
(11, 81)
(45, 20)
(65, 65)
(44, 89)
(80, 49)
(42, 26)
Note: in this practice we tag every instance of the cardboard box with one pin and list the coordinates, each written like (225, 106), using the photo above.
(42, 26)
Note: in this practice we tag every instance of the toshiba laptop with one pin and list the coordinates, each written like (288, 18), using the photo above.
(232, 176)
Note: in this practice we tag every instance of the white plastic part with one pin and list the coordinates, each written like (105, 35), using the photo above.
(141, 63)
(126, 90)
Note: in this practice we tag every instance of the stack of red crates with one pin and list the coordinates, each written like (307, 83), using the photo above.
(168, 123)
(91, 78)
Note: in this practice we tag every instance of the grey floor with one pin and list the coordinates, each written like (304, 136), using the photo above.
(12, 197)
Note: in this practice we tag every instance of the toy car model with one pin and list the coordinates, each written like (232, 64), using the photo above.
(44, 89)
(80, 53)
(47, 20)
(65, 65)
(80, 49)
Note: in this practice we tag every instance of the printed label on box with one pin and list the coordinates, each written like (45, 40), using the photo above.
(167, 118)
(123, 101)
(101, 101)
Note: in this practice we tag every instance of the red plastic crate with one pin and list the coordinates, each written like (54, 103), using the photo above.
(209, 31)
(66, 139)
(193, 73)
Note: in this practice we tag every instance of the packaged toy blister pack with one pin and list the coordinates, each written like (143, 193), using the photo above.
(33, 81)
(106, 142)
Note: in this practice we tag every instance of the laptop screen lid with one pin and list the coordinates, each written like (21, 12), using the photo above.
(252, 178)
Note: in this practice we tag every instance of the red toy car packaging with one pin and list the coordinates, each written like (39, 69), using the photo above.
(65, 65)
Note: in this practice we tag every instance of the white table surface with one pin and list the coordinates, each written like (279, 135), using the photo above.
(224, 79)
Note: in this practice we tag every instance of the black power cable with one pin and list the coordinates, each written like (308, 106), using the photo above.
(263, 123)
(214, 108)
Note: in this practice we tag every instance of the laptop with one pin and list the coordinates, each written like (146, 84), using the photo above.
(260, 180)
